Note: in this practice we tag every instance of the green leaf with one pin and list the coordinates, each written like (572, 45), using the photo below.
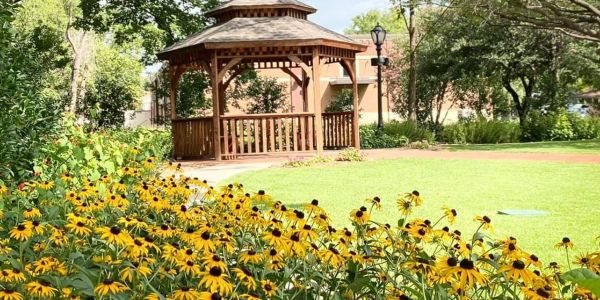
(584, 278)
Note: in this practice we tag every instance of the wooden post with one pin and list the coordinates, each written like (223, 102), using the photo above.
(356, 108)
(316, 79)
(305, 81)
(215, 80)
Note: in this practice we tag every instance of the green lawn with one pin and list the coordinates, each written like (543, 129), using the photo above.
(583, 147)
(568, 191)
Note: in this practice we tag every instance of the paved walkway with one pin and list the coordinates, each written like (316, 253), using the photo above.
(216, 172)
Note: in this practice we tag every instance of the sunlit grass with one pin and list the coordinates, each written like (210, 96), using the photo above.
(581, 147)
(569, 192)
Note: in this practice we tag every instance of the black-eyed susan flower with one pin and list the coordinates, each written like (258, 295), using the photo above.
(114, 235)
(565, 243)
(269, 288)
(32, 213)
(468, 274)
(375, 202)
(360, 216)
(185, 293)
(485, 221)
(79, 228)
(517, 270)
(246, 277)
(21, 232)
(45, 185)
(190, 267)
(250, 257)
(215, 280)
(41, 289)
(450, 214)
(540, 293)
(110, 287)
(10, 294)
(210, 261)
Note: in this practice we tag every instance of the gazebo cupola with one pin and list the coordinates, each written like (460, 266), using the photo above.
(262, 34)
(260, 9)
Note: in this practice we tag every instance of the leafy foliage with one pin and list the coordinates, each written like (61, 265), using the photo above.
(259, 95)
(88, 155)
(117, 87)
(481, 131)
(364, 23)
(394, 135)
(560, 126)
(343, 101)
(29, 113)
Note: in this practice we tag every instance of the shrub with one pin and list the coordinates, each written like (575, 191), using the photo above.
(587, 128)
(136, 236)
(350, 154)
(89, 155)
(343, 102)
(481, 131)
(297, 163)
(554, 126)
(411, 130)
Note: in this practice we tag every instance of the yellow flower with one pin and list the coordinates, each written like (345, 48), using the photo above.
(565, 243)
(110, 287)
(114, 235)
(246, 277)
(185, 293)
(360, 216)
(213, 260)
(269, 288)
(450, 214)
(486, 222)
(468, 274)
(190, 267)
(9, 294)
(40, 289)
(21, 232)
(46, 185)
(215, 280)
(375, 202)
(251, 257)
(31, 213)
(136, 269)
(517, 270)
(79, 228)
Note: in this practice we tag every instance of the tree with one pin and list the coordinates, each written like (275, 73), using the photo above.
(364, 23)
(117, 86)
(408, 10)
(343, 102)
(577, 18)
(258, 95)
(30, 112)
(158, 23)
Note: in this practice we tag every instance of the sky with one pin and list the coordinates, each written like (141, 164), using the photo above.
(337, 14)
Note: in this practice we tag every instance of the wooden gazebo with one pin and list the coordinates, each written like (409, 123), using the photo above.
(262, 34)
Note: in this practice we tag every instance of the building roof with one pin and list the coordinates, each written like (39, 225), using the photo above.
(248, 4)
(264, 32)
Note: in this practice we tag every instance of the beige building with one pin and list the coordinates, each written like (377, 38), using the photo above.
(334, 79)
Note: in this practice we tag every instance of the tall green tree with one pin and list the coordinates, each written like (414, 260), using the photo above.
(29, 111)
(364, 23)
(577, 18)
(158, 23)
(116, 87)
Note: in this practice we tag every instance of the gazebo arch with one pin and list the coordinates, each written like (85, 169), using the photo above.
(262, 34)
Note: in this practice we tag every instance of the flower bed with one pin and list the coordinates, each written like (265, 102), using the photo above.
(133, 235)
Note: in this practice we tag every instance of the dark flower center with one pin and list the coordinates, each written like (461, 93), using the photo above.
(519, 265)
(487, 219)
(205, 236)
(542, 293)
(115, 230)
(467, 264)
(359, 214)
(108, 282)
(566, 240)
(276, 233)
(21, 227)
(453, 262)
(261, 193)
(216, 258)
(251, 252)
(416, 193)
(80, 224)
(185, 289)
(315, 202)
(214, 271)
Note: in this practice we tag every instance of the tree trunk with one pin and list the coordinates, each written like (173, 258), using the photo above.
(412, 77)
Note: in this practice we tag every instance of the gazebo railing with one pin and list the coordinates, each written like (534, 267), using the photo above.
(261, 134)
(337, 130)
(193, 138)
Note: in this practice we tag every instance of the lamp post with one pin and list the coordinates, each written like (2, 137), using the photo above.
(378, 35)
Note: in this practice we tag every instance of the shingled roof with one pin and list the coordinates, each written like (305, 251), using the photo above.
(264, 31)
(247, 4)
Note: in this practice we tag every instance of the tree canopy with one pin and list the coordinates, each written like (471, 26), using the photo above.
(364, 23)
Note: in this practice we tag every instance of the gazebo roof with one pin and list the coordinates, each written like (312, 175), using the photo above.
(249, 4)
(266, 31)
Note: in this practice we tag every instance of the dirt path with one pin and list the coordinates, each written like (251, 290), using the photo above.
(557, 157)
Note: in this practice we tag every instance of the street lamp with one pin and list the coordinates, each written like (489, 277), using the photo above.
(378, 35)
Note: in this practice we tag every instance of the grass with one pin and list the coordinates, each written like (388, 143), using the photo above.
(567, 191)
(577, 147)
